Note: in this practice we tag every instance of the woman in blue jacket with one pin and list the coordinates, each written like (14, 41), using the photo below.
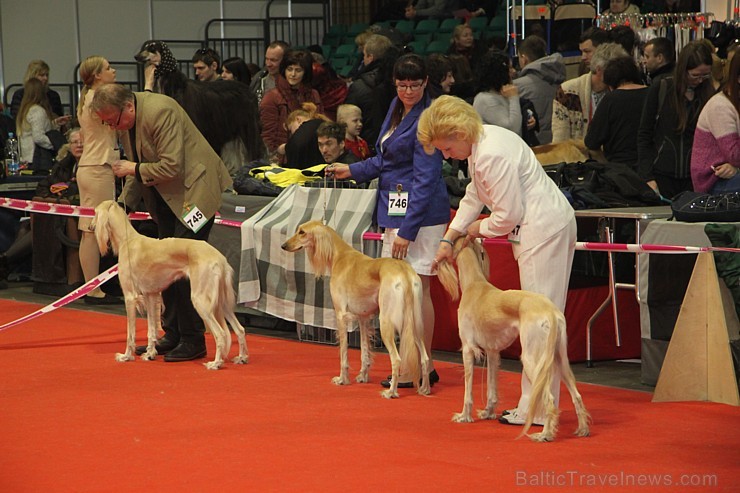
(413, 206)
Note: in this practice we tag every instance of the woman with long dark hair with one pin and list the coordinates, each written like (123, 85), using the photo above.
(669, 119)
(405, 171)
(235, 68)
(715, 158)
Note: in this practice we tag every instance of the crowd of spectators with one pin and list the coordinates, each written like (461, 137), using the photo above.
(530, 94)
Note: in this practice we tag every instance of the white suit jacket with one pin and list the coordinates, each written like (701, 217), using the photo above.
(508, 179)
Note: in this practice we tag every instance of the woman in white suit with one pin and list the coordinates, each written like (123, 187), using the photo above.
(525, 206)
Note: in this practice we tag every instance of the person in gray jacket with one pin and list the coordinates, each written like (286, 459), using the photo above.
(538, 81)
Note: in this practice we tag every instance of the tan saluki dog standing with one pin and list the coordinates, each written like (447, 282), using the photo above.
(147, 266)
(360, 287)
(489, 321)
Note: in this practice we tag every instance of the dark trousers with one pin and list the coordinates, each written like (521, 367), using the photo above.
(180, 321)
(670, 186)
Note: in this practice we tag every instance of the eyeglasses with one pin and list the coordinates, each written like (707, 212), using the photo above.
(414, 87)
(76, 142)
(118, 121)
(699, 76)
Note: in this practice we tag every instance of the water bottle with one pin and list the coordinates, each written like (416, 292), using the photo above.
(13, 161)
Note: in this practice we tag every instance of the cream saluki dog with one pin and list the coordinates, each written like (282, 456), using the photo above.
(147, 266)
(490, 319)
(361, 287)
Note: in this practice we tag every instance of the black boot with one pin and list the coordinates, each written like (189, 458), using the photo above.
(186, 351)
(163, 345)
(433, 378)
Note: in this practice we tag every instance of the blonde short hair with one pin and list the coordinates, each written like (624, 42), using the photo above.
(446, 117)
(458, 32)
(346, 111)
(36, 68)
(377, 45)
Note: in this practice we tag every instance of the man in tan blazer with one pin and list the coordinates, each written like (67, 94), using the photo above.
(174, 169)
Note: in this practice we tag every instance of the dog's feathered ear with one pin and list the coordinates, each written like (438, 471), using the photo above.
(320, 248)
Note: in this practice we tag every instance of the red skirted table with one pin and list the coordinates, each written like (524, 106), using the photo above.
(580, 306)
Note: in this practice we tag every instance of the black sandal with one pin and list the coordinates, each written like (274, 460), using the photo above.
(433, 378)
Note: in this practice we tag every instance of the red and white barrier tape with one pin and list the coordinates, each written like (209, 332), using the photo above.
(649, 248)
(58, 209)
(79, 211)
(606, 247)
(69, 298)
(74, 210)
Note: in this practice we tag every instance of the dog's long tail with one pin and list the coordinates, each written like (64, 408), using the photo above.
(448, 277)
(542, 378)
(413, 328)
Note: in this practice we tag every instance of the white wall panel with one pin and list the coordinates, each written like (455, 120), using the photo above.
(114, 29)
(37, 29)
(48, 29)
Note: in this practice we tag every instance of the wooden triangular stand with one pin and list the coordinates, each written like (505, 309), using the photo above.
(698, 363)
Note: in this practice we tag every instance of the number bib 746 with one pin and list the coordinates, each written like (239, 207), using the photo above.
(397, 203)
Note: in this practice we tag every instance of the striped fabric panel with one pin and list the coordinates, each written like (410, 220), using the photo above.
(333, 184)
(281, 283)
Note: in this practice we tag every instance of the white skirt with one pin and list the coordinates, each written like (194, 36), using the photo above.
(422, 251)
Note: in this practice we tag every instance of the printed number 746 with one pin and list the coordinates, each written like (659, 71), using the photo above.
(399, 202)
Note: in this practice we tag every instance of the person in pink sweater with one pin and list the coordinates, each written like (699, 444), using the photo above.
(715, 156)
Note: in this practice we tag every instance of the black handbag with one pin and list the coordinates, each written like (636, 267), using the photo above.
(44, 159)
(580, 175)
(695, 207)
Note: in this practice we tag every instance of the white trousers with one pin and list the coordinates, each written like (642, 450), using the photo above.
(545, 269)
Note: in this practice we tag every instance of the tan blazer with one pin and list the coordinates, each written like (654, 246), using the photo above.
(174, 158)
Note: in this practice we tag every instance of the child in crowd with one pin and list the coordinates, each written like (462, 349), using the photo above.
(351, 116)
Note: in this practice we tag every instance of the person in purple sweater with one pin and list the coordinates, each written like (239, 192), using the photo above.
(715, 156)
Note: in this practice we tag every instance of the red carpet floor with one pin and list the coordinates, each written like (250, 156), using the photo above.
(72, 419)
